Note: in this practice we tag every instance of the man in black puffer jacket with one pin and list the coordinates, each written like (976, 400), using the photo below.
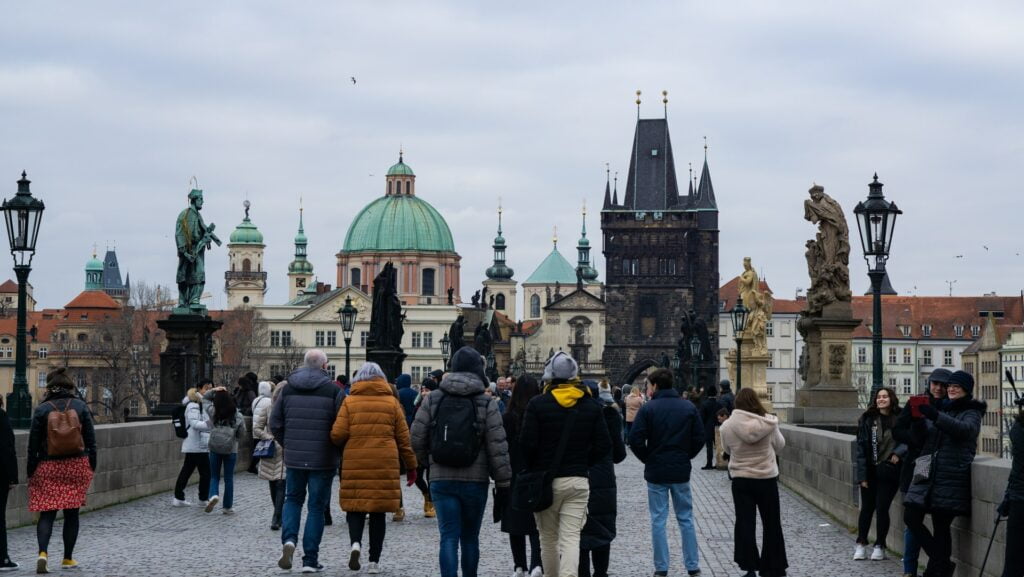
(587, 444)
(301, 421)
(950, 436)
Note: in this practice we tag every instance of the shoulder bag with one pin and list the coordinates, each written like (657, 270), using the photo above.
(531, 490)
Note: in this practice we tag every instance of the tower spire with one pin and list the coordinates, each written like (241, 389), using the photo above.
(615, 191)
(638, 105)
(664, 101)
(499, 270)
(607, 187)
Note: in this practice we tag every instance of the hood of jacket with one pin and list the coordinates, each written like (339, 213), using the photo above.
(462, 384)
(265, 388)
(568, 393)
(376, 386)
(403, 381)
(308, 379)
(966, 404)
(750, 427)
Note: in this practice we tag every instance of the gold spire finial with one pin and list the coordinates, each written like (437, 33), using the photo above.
(584, 208)
(401, 152)
(94, 249)
(499, 204)
(638, 98)
(554, 235)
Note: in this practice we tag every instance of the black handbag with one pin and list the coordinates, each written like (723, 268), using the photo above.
(531, 490)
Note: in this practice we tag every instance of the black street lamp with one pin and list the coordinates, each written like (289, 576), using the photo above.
(876, 220)
(676, 363)
(492, 364)
(694, 357)
(739, 322)
(446, 347)
(22, 214)
(348, 324)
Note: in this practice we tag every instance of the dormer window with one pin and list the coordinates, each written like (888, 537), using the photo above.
(975, 331)
(905, 330)
(958, 330)
(926, 330)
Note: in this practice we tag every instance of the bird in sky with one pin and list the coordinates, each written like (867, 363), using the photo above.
(353, 79)
(959, 256)
(984, 247)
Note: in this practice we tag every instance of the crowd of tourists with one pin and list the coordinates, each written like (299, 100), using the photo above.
(543, 452)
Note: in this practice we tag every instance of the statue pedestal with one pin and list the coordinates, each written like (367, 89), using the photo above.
(828, 399)
(389, 360)
(187, 359)
(754, 371)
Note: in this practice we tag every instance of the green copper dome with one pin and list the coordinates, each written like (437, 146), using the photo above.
(553, 268)
(400, 222)
(246, 233)
(401, 169)
(94, 264)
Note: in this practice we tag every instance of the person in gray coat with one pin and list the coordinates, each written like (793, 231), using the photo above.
(301, 421)
(460, 493)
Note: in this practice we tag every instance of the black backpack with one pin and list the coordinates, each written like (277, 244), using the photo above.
(179, 421)
(455, 434)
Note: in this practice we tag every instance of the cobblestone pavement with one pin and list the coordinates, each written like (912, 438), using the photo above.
(151, 538)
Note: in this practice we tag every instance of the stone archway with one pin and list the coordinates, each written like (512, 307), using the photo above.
(630, 374)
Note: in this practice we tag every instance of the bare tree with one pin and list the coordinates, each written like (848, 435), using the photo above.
(242, 345)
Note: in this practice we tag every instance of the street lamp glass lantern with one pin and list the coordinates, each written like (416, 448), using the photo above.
(876, 220)
(739, 317)
(348, 318)
(446, 345)
(23, 214)
(491, 362)
(694, 347)
(676, 361)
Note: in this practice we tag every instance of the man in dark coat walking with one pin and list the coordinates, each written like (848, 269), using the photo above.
(666, 435)
(709, 405)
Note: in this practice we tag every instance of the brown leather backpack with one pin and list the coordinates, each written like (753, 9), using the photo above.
(63, 432)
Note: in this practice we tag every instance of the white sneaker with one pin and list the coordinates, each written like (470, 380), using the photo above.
(373, 568)
(318, 568)
(229, 511)
(878, 553)
(860, 554)
(353, 557)
(212, 503)
(520, 572)
(536, 572)
(203, 503)
(175, 502)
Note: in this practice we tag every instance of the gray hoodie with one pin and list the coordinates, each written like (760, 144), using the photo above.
(492, 461)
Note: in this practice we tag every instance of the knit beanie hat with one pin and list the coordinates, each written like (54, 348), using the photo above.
(58, 379)
(939, 375)
(561, 366)
(965, 380)
(468, 360)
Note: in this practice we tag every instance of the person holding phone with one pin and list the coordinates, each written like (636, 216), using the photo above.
(934, 393)
(879, 460)
(941, 486)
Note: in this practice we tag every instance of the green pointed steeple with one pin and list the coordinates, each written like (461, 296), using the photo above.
(300, 265)
(583, 249)
(499, 270)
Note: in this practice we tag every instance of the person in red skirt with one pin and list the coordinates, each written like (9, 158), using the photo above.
(59, 482)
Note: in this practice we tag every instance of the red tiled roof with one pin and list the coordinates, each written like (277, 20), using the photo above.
(530, 327)
(942, 313)
(9, 286)
(729, 292)
(92, 300)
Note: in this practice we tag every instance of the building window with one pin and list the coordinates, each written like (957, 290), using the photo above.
(42, 352)
(417, 340)
(892, 355)
(246, 265)
(892, 383)
(41, 380)
(926, 330)
(332, 338)
(770, 393)
(975, 331)
(769, 329)
(958, 330)
(319, 339)
(907, 386)
(82, 337)
(908, 357)
(428, 340)
(286, 338)
(7, 351)
(535, 306)
(356, 277)
(332, 370)
(428, 281)
(947, 357)
(275, 338)
(363, 335)
(666, 266)
(771, 359)
(862, 354)
(905, 330)
(926, 357)
(499, 302)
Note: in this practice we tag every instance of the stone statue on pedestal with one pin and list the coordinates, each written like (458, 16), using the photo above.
(193, 238)
(482, 338)
(456, 333)
(386, 315)
(828, 254)
(760, 306)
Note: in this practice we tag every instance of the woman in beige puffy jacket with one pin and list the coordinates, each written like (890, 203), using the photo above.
(633, 403)
(271, 469)
(752, 438)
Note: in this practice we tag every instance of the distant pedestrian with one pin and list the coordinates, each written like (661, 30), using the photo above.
(227, 426)
(753, 440)
(1012, 506)
(406, 396)
(61, 461)
(879, 458)
(943, 490)
(459, 431)
(371, 428)
(520, 524)
(271, 469)
(602, 509)
(666, 435)
(194, 447)
(301, 421)
(633, 403)
(245, 394)
(8, 480)
(709, 405)
(725, 396)
(565, 409)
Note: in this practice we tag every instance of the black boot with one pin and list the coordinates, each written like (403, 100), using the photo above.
(275, 522)
(328, 520)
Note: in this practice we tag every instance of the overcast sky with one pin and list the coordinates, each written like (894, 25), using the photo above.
(112, 107)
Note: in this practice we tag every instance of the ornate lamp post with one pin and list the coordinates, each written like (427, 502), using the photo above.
(739, 322)
(22, 214)
(348, 324)
(694, 357)
(676, 363)
(446, 347)
(876, 220)
(492, 364)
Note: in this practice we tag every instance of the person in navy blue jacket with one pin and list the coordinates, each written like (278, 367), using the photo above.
(667, 433)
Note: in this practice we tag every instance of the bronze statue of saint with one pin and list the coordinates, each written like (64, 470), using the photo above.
(193, 238)
(386, 315)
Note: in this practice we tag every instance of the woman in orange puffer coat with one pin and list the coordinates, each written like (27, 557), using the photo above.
(373, 434)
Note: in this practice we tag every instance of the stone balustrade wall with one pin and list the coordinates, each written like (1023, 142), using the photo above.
(134, 460)
(819, 465)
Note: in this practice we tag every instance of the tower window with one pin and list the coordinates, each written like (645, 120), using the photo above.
(246, 265)
(355, 275)
(428, 281)
(534, 306)
(245, 300)
(499, 302)
(389, 188)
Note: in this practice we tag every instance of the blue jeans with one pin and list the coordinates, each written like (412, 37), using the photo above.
(460, 511)
(682, 502)
(228, 461)
(318, 483)
(911, 552)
